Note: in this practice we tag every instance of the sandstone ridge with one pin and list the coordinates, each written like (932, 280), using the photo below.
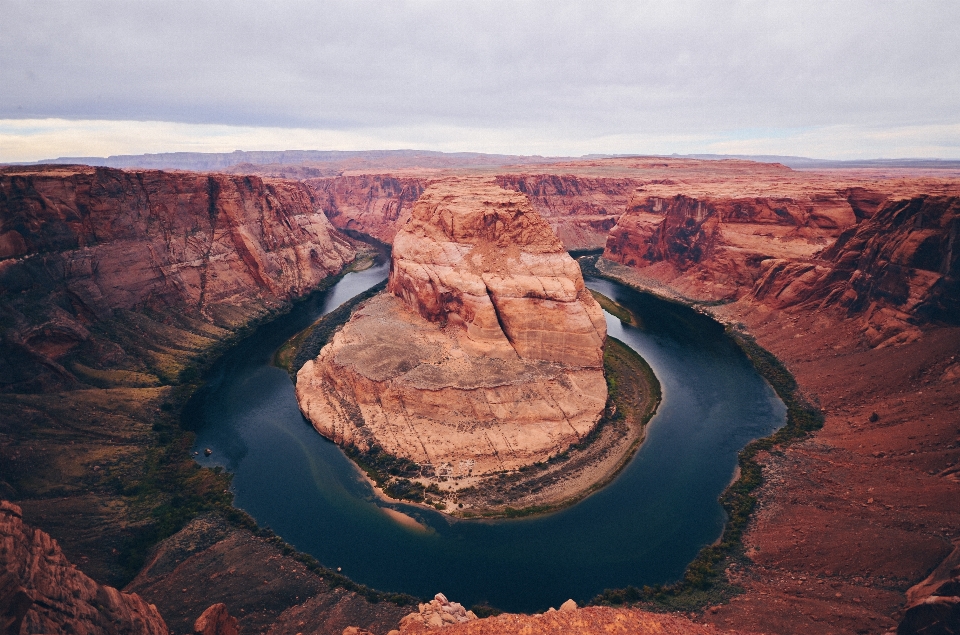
(485, 354)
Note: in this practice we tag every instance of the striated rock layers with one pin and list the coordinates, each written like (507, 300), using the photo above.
(42, 592)
(485, 354)
(580, 209)
(898, 270)
(711, 247)
(78, 244)
(374, 204)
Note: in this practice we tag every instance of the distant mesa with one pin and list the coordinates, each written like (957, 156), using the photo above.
(485, 353)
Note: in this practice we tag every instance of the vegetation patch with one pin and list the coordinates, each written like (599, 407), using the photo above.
(393, 474)
(306, 344)
(614, 308)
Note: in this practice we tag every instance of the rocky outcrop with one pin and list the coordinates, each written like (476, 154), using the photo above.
(898, 270)
(216, 620)
(436, 613)
(593, 620)
(484, 355)
(934, 604)
(78, 244)
(44, 593)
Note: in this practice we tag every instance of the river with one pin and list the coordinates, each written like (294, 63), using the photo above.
(643, 528)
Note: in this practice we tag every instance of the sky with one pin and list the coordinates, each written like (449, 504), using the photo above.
(839, 79)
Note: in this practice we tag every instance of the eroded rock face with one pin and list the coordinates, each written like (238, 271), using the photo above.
(480, 256)
(77, 244)
(375, 204)
(711, 247)
(61, 598)
(485, 354)
(898, 270)
(216, 620)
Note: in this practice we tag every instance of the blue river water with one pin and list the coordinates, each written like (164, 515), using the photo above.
(643, 528)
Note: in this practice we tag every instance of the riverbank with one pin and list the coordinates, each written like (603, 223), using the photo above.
(703, 582)
(881, 464)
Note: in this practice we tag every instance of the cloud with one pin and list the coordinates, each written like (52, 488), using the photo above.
(547, 72)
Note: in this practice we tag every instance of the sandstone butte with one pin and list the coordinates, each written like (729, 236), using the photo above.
(485, 353)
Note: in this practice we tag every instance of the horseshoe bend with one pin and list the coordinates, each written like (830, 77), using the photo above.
(481, 377)
(484, 356)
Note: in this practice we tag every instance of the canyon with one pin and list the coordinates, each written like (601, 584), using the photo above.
(116, 285)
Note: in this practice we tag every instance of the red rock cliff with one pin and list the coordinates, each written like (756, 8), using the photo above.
(78, 244)
(49, 595)
(374, 204)
(899, 270)
(580, 209)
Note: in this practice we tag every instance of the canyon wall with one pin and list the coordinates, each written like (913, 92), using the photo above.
(580, 209)
(79, 244)
(486, 352)
(894, 264)
(41, 592)
(711, 247)
(899, 270)
(115, 286)
(374, 204)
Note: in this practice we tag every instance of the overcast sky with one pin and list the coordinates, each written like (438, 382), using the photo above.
(830, 79)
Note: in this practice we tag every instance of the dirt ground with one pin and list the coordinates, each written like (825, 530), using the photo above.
(869, 505)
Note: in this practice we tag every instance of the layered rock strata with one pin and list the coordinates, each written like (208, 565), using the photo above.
(485, 354)
(897, 266)
(899, 270)
(374, 204)
(78, 245)
(712, 247)
(44, 593)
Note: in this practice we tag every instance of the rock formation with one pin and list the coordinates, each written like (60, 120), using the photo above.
(77, 244)
(594, 620)
(899, 269)
(484, 355)
(711, 247)
(436, 613)
(46, 594)
(216, 620)
(581, 210)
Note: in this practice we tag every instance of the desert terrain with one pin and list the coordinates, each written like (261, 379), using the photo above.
(119, 287)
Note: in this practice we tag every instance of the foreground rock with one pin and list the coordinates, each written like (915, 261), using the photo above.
(216, 620)
(486, 354)
(436, 613)
(41, 592)
(586, 621)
